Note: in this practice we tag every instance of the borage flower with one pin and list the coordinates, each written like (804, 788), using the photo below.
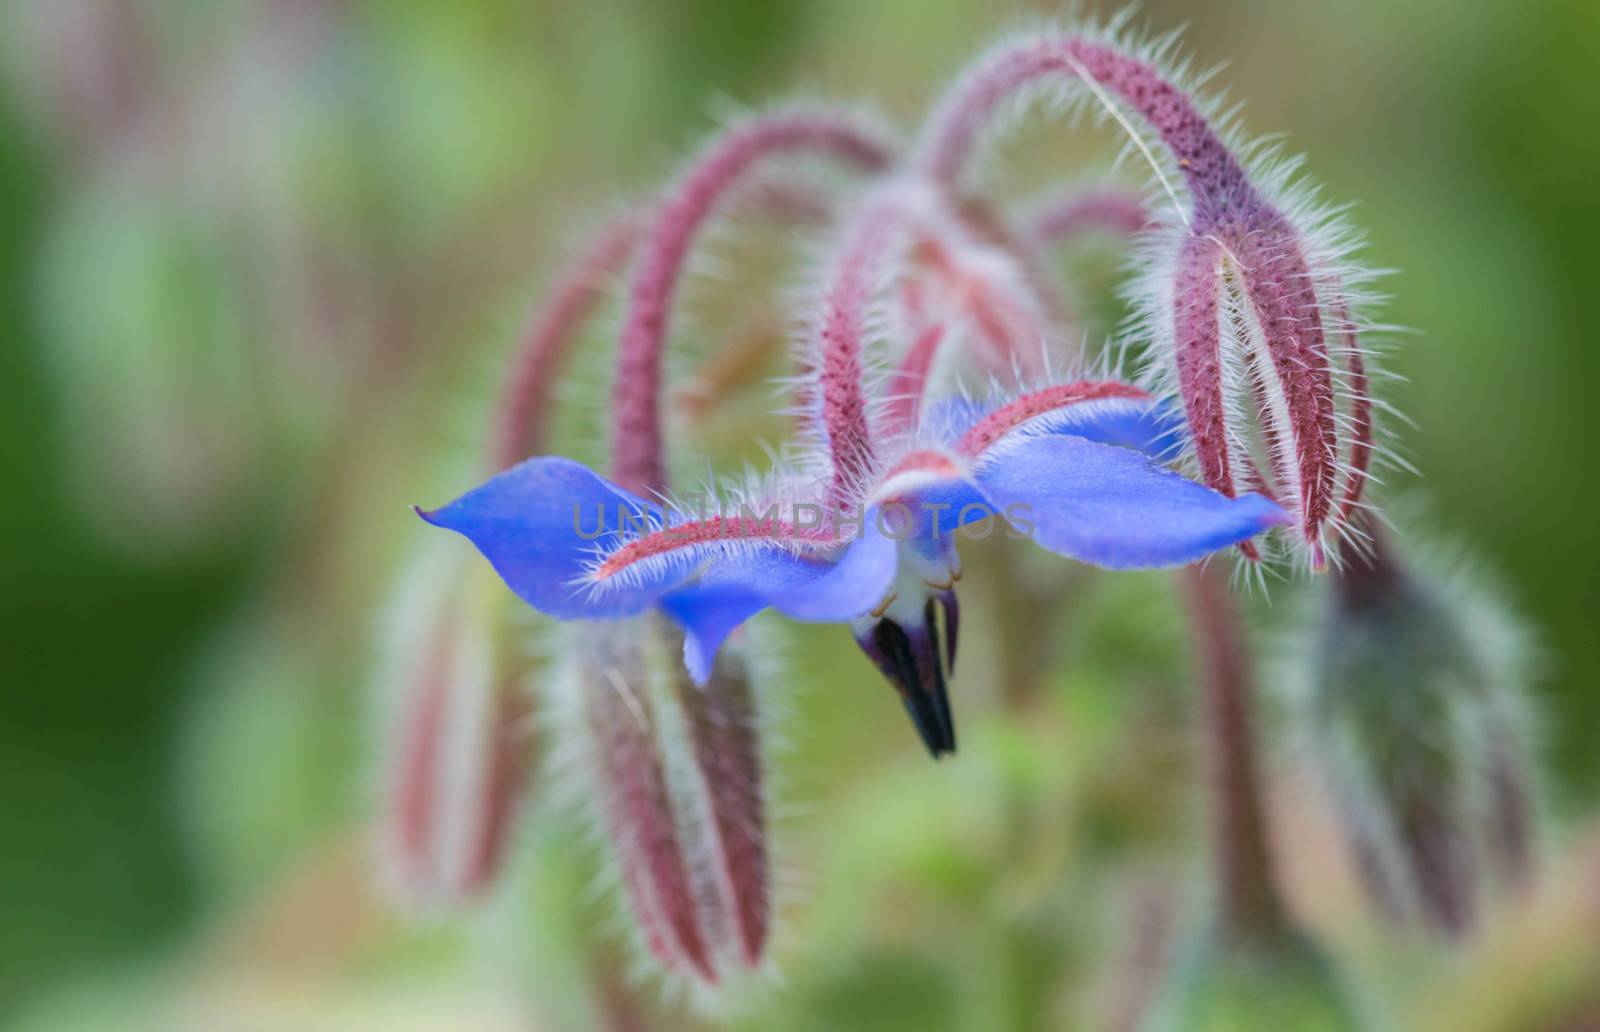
(1070, 466)
(675, 766)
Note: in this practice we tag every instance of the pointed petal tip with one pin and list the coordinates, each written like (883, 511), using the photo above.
(1272, 514)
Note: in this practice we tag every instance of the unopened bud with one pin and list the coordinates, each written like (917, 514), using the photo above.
(677, 771)
(1412, 692)
(455, 744)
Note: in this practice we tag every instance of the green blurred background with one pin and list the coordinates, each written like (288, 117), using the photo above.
(256, 257)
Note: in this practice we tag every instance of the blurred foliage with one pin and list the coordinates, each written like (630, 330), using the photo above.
(258, 260)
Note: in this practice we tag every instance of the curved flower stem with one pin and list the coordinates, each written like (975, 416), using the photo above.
(521, 423)
(1247, 897)
(637, 447)
(847, 298)
(1213, 175)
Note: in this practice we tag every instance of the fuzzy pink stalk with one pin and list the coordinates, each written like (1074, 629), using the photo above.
(847, 300)
(1115, 210)
(1038, 403)
(521, 423)
(637, 446)
(692, 533)
(1197, 314)
(1247, 897)
(1256, 241)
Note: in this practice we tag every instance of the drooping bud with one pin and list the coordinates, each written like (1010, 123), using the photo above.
(1411, 687)
(456, 744)
(1247, 286)
(677, 771)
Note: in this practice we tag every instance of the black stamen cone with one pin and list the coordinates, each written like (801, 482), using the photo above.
(933, 663)
(912, 663)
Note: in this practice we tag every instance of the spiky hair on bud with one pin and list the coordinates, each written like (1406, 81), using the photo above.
(1247, 291)
(1410, 679)
(674, 780)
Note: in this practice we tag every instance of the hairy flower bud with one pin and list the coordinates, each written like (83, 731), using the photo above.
(455, 744)
(676, 770)
(1411, 687)
(1245, 289)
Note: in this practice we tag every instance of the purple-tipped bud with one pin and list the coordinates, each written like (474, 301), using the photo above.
(456, 746)
(1415, 714)
(678, 773)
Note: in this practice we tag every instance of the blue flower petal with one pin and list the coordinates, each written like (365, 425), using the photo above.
(942, 509)
(708, 616)
(1156, 428)
(541, 522)
(735, 587)
(1114, 507)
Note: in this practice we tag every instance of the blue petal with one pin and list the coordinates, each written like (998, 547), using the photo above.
(943, 509)
(1114, 507)
(1156, 428)
(735, 587)
(541, 522)
(708, 616)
